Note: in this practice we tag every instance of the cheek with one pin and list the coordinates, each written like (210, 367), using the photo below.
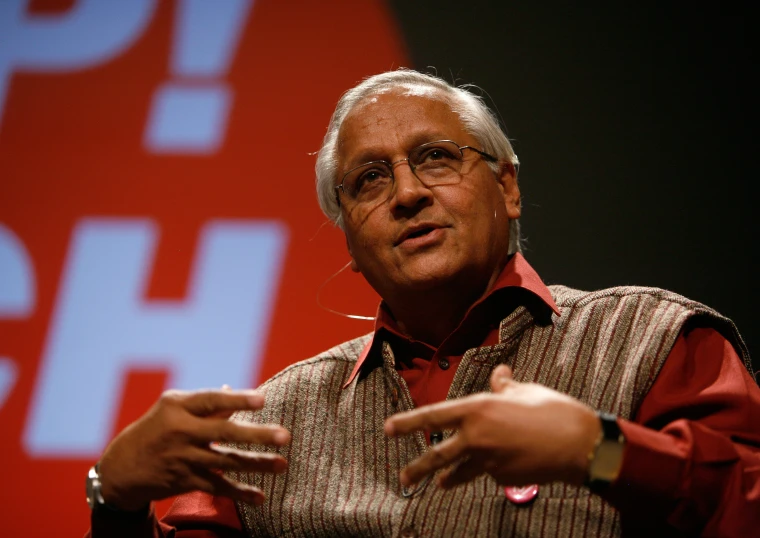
(480, 215)
(364, 220)
(467, 205)
(363, 244)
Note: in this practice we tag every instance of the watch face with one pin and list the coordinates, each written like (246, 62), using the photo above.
(606, 465)
(608, 457)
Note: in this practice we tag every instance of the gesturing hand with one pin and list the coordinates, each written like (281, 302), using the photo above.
(521, 433)
(171, 450)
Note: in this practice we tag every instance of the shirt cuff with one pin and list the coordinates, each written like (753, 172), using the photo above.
(116, 524)
(663, 471)
(652, 463)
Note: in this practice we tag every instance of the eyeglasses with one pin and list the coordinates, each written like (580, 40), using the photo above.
(434, 163)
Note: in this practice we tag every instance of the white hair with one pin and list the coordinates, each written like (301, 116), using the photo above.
(477, 119)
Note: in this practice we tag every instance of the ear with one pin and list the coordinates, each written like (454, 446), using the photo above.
(507, 178)
(354, 266)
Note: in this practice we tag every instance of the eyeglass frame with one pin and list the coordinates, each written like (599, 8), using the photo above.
(391, 165)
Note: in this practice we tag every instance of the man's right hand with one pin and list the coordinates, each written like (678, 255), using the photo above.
(172, 450)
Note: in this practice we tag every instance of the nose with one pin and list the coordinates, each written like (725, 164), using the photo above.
(408, 191)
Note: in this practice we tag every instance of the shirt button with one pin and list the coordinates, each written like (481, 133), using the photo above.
(443, 363)
(408, 532)
(436, 437)
(394, 396)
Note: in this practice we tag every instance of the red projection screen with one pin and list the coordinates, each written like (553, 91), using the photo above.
(158, 221)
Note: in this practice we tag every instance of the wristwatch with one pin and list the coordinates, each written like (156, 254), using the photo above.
(98, 504)
(607, 456)
(92, 486)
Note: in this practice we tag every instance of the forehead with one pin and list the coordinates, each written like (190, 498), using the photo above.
(384, 125)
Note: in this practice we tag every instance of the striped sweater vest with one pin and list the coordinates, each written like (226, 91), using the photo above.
(605, 349)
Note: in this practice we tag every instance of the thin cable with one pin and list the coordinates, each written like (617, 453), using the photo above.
(319, 294)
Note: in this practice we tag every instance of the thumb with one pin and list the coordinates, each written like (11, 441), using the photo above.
(501, 378)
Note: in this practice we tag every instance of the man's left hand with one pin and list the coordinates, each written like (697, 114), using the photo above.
(521, 433)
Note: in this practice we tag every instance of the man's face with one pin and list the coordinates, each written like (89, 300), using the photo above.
(423, 238)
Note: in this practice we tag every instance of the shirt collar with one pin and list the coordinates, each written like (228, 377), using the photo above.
(516, 274)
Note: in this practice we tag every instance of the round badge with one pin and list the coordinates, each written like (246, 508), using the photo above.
(521, 495)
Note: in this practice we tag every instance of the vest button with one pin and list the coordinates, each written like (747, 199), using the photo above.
(443, 363)
(408, 532)
(436, 437)
(394, 397)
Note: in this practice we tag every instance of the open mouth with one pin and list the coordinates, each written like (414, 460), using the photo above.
(419, 233)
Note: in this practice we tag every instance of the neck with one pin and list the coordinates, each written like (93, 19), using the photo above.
(429, 319)
(431, 315)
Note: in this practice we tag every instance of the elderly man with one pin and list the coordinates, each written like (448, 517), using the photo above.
(483, 403)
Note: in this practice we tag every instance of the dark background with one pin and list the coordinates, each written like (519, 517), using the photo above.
(632, 124)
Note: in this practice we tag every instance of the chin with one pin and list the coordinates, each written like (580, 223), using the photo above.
(427, 276)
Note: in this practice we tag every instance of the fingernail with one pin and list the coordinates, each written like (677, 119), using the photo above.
(281, 437)
(256, 399)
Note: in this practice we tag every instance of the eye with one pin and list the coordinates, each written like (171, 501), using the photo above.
(369, 176)
(434, 155)
(370, 179)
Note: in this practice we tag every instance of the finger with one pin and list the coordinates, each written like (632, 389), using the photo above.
(501, 378)
(232, 459)
(210, 402)
(209, 430)
(466, 471)
(445, 415)
(227, 413)
(437, 457)
(219, 485)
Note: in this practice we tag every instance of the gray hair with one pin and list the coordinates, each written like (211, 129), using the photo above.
(477, 119)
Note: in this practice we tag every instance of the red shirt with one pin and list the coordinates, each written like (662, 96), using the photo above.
(692, 453)
(429, 372)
